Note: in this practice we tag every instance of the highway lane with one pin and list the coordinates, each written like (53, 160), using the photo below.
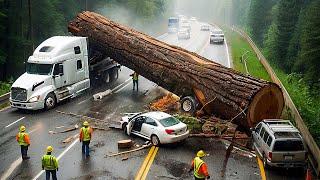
(74, 166)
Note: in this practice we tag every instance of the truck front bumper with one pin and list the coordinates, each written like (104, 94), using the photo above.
(26, 105)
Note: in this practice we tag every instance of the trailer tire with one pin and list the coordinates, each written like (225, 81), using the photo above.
(50, 101)
(188, 104)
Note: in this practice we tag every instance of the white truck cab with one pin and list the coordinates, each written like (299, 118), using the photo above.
(57, 70)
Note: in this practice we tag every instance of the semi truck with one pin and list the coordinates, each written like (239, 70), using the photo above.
(60, 68)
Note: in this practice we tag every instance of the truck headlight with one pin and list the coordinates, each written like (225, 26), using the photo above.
(34, 99)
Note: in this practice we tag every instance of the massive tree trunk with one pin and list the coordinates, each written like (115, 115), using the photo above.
(244, 99)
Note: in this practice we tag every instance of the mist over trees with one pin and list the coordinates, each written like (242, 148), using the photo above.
(21, 33)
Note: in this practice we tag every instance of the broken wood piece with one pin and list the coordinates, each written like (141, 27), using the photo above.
(130, 151)
(69, 139)
(99, 128)
(127, 143)
(70, 129)
(125, 158)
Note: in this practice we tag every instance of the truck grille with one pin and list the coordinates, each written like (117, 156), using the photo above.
(18, 94)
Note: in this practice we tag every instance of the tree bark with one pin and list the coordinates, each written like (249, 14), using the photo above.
(241, 98)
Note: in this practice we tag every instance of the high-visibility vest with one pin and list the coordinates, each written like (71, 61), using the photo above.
(86, 133)
(21, 140)
(197, 162)
(49, 162)
(135, 76)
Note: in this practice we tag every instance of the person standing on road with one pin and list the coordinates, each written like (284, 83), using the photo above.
(135, 79)
(199, 167)
(85, 137)
(50, 164)
(24, 141)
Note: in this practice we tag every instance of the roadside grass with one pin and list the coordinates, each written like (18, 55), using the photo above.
(306, 101)
(4, 87)
(239, 46)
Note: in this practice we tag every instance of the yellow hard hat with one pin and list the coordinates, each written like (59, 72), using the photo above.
(22, 128)
(49, 149)
(86, 123)
(201, 153)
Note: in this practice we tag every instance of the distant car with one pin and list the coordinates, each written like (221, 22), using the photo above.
(216, 36)
(185, 26)
(183, 34)
(172, 30)
(205, 27)
(278, 143)
(158, 127)
(193, 19)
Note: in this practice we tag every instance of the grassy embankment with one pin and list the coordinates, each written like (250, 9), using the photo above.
(307, 103)
(4, 88)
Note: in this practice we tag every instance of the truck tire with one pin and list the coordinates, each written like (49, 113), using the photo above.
(106, 77)
(188, 104)
(50, 101)
(113, 74)
(155, 140)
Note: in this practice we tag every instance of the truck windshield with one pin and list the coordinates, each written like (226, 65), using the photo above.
(41, 69)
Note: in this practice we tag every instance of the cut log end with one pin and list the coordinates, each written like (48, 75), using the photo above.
(125, 143)
(268, 103)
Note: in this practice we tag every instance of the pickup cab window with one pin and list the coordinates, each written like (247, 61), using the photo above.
(41, 69)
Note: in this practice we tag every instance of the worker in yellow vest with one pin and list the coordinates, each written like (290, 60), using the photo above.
(199, 167)
(50, 164)
(85, 137)
(135, 78)
(24, 141)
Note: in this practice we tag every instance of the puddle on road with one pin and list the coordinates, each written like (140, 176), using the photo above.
(176, 168)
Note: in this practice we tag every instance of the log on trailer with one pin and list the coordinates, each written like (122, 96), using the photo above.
(241, 98)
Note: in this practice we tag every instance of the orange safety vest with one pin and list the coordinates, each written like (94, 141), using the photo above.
(23, 139)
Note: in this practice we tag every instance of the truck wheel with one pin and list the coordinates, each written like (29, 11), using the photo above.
(50, 101)
(106, 77)
(124, 128)
(188, 104)
(113, 74)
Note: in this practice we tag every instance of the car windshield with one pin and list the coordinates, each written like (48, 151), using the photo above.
(288, 145)
(169, 121)
(41, 69)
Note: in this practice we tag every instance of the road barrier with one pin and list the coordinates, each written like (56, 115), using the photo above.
(312, 145)
(4, 99)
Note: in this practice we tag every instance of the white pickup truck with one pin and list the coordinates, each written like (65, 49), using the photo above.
(60, 68)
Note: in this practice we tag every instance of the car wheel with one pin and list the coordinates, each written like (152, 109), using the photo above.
(188, 104)
(50, 101)
(124, 128)
(155, 140)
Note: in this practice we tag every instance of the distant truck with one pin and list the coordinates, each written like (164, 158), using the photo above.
(60, 68)
(173, 25)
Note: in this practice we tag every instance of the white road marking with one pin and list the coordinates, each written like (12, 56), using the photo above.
(123, 87)
(58, 158)
(121, 84)
(227, 48)
(83, 101)
(11, 168)
(15, 164)
(14, 122)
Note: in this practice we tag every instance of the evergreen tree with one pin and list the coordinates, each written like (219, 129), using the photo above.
(258, 19)
(310, 43)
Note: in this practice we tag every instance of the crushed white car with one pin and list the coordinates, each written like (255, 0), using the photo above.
(156, 126)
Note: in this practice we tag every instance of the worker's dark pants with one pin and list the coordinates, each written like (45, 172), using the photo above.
(135, 83)
(199, 178)
(24, 151)
(53, 172)
(85, 147)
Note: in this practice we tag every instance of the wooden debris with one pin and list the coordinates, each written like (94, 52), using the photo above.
(70, 129)
(130, 151)
(127, 143)
(125, 158)
(69, 139)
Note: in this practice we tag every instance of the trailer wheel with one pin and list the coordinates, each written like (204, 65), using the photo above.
(113, 74)
(106, 77)
(188, 104)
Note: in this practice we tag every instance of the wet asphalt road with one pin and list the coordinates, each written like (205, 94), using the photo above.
(171, 161)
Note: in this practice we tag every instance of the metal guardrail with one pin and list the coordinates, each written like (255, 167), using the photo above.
(313, 147)
(4, 98)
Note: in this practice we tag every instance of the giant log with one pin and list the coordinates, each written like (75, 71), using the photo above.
(241, 98)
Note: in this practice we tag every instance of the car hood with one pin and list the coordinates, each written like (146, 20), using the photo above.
(27, 81)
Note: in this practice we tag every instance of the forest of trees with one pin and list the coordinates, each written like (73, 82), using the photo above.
(287, 31)
(26, 23)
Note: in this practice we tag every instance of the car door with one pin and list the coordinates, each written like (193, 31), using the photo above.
(255, 135)
(260, 142)
(59, 79)
(149, 127)
(137, 125)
